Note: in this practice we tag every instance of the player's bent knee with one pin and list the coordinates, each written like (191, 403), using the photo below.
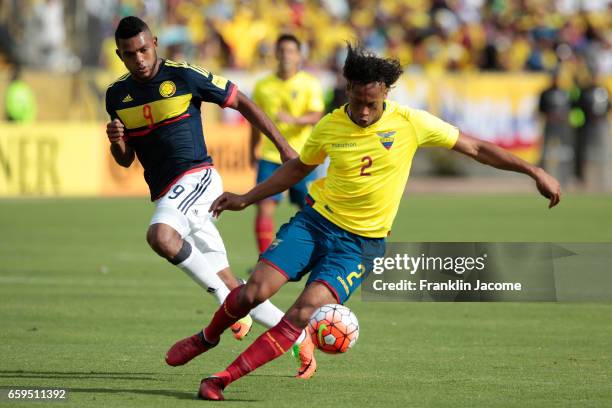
(164, 241)
(254, 294)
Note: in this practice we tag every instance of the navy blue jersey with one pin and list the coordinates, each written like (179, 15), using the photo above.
(163, 120)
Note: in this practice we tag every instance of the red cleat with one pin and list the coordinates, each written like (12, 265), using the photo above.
(187, 349)
(211, 389)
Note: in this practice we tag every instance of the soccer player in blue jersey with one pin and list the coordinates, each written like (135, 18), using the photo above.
(155, 116)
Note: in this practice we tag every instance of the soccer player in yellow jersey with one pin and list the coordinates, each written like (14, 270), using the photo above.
(370, 143)
(294, 101)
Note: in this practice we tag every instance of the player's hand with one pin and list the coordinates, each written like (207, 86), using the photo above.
(115, 131)
(228, 201)
(548, 186)
(288, 154)
(285, 118)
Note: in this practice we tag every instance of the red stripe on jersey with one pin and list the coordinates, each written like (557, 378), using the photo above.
(148, 130)
(231, 97)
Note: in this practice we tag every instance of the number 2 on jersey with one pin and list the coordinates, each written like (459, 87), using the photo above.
(368, 164)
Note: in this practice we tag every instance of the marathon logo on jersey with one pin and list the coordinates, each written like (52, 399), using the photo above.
(344, 146)
(387, 138)
(167, 89)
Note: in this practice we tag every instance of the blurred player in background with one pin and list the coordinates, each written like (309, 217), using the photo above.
(555, 105)
(370, 142)
(294, 101)
(590, 144)
(155, 115)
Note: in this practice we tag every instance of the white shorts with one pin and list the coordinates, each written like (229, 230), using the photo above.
(185, 208)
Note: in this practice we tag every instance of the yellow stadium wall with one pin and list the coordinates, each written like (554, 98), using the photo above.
(74, 160)
(54, 159)
(71, 158)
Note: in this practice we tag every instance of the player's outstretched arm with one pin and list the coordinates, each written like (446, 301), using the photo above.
(284, 177)
(122, 153)
(258, 118)
(492, 155)
(253, 143)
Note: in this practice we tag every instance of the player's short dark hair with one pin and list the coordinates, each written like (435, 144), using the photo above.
(130, 27)
(364, 67)
(288, 37)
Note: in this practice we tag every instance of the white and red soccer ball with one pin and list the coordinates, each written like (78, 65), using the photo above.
(334, 328)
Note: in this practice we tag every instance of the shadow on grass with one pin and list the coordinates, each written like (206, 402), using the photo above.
(165, 393)
(78, 374)
(75, 375)
(271, 375)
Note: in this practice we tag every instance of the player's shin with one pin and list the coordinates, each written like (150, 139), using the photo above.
(193, 262)
(269, 316)
(270, 345)
(228, 313)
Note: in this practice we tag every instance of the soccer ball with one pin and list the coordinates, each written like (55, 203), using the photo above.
(334, 328)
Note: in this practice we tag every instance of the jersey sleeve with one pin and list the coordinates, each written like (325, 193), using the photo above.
(312, 152)
(432, 131)
(315, 99)
(209, 87)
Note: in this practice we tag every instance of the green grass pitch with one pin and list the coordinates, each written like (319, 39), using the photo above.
(86, 305)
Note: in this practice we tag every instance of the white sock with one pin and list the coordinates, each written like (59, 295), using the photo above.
(200, 271)
(301, 338)
(269, 316)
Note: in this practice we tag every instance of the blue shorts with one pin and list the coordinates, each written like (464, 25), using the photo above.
(297, 193)
(335, 257)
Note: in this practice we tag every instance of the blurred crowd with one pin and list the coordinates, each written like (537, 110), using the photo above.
(426, 35)
(571, 40)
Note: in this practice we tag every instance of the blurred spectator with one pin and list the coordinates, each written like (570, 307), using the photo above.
(594, 101)
(46, 37)
(19, 101)
(557, 152)
(430, 36)
(7, 46)
(337, 95)
(98, 13)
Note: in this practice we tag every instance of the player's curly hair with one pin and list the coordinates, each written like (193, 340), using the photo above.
(129, 27)
(364, 67)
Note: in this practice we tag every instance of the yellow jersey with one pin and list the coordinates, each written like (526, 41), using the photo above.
(297, 96)
(369, 166)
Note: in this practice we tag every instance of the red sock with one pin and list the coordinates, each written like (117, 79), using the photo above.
(267, 347)
(228, 313)
(264, 232)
